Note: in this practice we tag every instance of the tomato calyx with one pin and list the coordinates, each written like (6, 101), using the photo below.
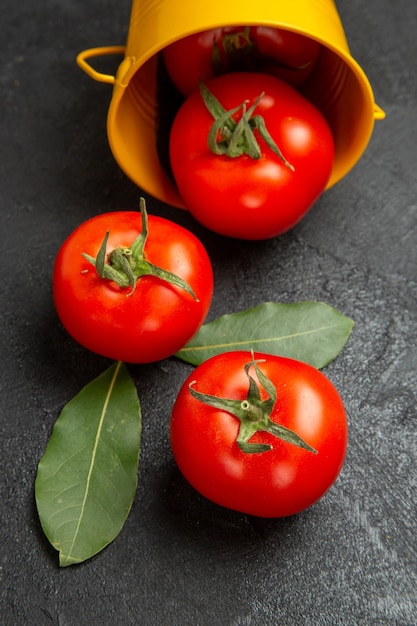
(126, 265)
(253, 412)
(241, 52)
(234, 138)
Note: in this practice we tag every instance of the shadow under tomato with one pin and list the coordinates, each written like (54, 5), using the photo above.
(192, 513)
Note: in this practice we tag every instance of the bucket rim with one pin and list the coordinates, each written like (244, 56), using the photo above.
(133, 63)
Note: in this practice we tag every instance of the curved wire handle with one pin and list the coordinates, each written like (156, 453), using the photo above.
(85, 55)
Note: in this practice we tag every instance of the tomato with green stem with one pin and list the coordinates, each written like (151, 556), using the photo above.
(260, 434)
(131, 287)
(250, 155)
(201, 56)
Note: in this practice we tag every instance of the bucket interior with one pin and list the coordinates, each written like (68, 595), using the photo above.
(340, 90)
(138, 121)
(142, 111)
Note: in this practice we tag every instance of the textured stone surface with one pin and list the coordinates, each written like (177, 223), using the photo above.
(181, 561)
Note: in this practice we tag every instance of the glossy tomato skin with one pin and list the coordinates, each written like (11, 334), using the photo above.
(277, 483)
(252, 198)
(158, 318)
(285, 54)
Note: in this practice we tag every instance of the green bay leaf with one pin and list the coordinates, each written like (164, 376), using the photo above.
(309, 331)
(87, 477)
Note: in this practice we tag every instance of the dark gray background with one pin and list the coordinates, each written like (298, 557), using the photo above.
(180, 560)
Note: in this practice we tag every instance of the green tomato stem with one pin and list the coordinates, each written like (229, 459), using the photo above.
(126, 265)
(241, 53)
(254, 413)
(233, 139)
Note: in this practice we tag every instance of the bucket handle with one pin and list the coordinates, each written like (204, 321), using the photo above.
(85, 55)
(379, 114)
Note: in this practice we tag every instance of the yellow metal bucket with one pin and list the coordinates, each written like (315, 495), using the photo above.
(338, 85)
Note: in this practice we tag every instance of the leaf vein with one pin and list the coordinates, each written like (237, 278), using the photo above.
(93, 457)
(247, 342)
(68, 459)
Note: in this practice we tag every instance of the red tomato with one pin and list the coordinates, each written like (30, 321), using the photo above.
(245, 197)
(142, 325)
(203, 55)
(285, 478)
